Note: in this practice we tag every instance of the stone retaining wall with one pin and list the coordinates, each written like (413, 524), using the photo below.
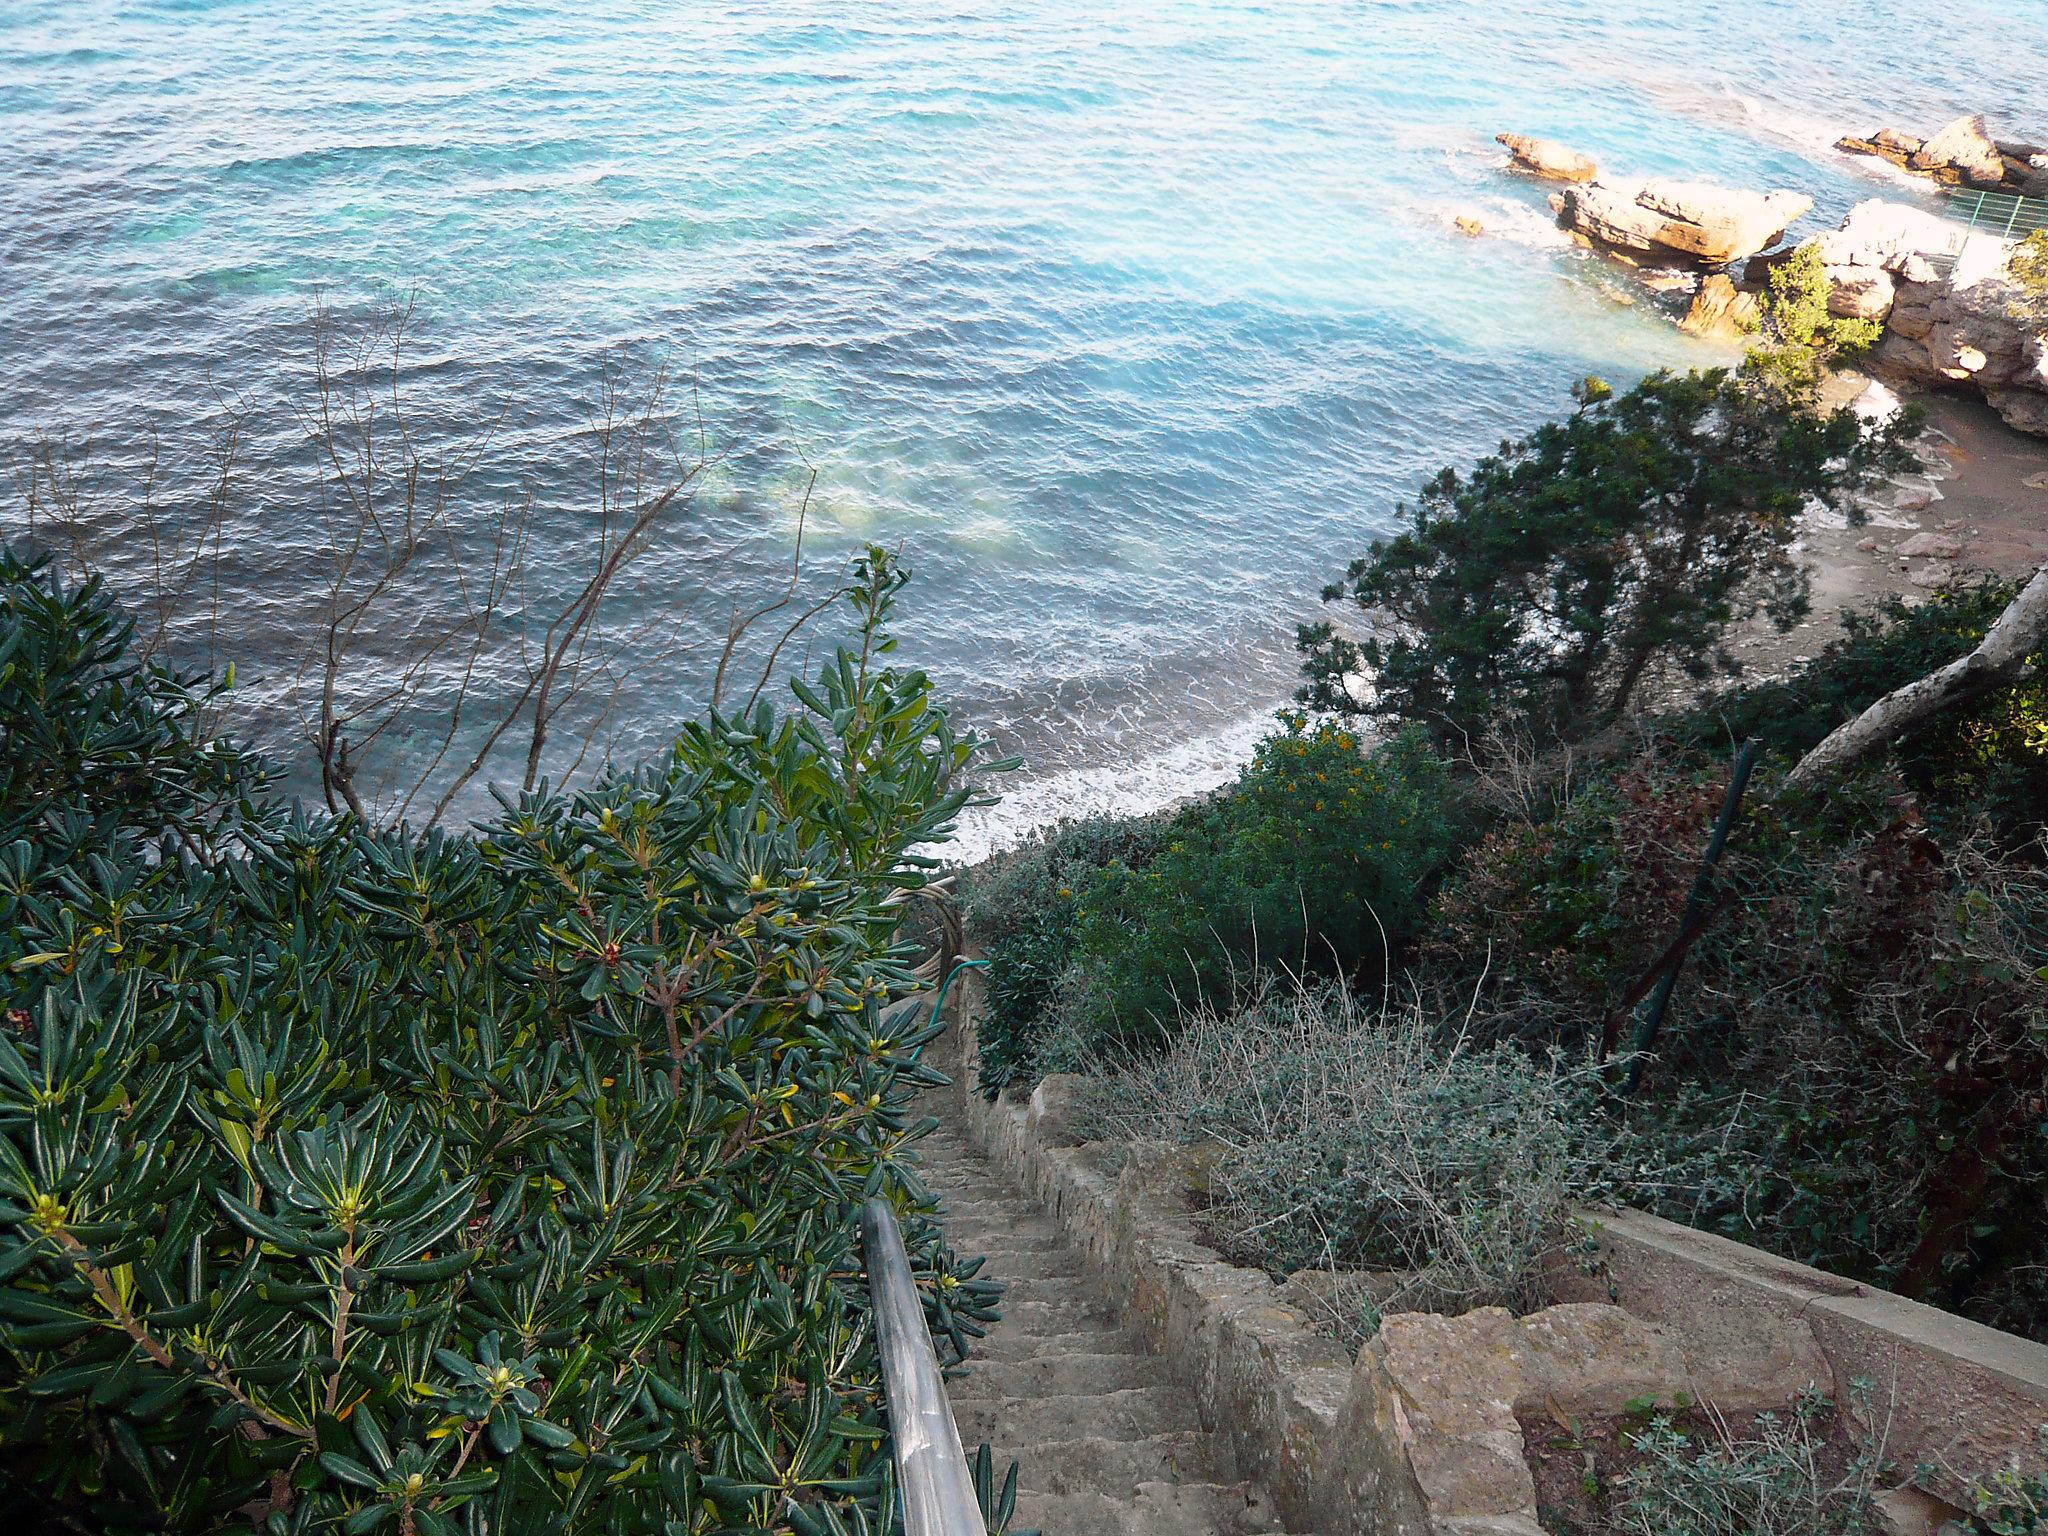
(1419, 1436)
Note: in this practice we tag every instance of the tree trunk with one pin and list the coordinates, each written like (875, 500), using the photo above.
(1999, 662)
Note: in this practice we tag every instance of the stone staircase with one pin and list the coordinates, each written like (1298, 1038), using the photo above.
(1106, 1444)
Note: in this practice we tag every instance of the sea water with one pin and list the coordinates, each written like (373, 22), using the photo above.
(1126, 325)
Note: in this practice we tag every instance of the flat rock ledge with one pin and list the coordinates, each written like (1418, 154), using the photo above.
(1693, 222)
(1420, 1434)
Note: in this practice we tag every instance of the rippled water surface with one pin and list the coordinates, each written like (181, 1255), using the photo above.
(1128, 324)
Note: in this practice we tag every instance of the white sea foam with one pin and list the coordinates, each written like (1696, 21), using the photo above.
(1176, 774)
(1505, 219)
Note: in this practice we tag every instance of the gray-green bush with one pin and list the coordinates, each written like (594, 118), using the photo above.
(1352, 1134)
(1775, 1481)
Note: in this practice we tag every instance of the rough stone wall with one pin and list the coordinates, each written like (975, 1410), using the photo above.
(1419, 1436)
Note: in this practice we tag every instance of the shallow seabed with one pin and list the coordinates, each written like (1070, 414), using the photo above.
(1128, 324)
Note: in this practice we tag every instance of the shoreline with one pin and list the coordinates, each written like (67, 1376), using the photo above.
(1971, 495)
(1975, 489)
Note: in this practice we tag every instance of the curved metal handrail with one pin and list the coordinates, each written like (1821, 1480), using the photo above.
(939, 1498)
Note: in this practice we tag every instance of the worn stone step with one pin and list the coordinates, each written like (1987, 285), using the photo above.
(1049, 1375)
(1114, 1466)
(1136, 1413)
(973, 1236)
(1057, 1316)
(1151, 1509)
(977, 1238)
(1068, 1290)
(1012, 1266)
(995, 1223)
(1010, 1342)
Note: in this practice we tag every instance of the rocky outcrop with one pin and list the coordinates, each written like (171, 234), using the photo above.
(1965, 149)
(1877, 246)
(1547, 158)
(1721, 311)
(1942, 326)
(1689, 220)
(1976, 334)
(1963, 154)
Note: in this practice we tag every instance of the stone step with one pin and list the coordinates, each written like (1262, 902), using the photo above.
(1025, 1255)
(1137, 1413)
(1073, 1374)
(1106, 1446)
(1009, 1344)
(1000, 1214)
(1161, 1508)
(1054, 1290)
(1114, 1466)
(1040, 1317)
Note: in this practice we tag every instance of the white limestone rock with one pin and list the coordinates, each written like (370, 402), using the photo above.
(1547, 158)
(1690, 219)
(1965, 148)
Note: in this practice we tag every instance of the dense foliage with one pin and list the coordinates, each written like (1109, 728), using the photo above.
(1853, 1066)
(1316, 859)
(1799, 336)
(1989, 761)
(1857, 1060)
(501, 1182)
(1025, 912)
(1562, 572)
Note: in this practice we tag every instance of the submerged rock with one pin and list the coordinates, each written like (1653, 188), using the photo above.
(1690, 219)
(1547, 158)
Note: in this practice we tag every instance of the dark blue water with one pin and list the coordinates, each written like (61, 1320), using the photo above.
(1127, 325)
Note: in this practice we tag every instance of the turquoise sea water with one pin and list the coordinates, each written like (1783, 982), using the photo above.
(1128, 324)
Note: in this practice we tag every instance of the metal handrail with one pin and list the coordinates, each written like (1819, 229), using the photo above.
(938, 1492)
(939, 1495)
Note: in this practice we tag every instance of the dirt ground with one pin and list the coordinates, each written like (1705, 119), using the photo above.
(1983, 494)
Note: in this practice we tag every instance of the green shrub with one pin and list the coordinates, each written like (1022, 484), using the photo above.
(1799, 337)
(1319, 858)
(1776, 1481)
(2014, 1502)
(2027, 263)
(1025, 908)
(1348, 1137)
(1548, 584)
(1990, 755)
(488, 1183)
(1851, 1067)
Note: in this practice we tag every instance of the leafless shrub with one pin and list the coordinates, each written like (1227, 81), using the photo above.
(434, 650)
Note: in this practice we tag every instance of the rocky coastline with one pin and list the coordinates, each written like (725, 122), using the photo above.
(1952, 316)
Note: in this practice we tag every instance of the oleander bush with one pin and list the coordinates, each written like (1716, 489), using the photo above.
(495, 1182)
